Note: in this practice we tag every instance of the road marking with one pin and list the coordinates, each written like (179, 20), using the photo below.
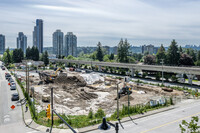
(170, 122)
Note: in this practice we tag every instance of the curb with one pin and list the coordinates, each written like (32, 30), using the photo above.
(123, 121)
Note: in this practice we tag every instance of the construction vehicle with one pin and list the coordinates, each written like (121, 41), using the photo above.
(49, 78)
(124, 91)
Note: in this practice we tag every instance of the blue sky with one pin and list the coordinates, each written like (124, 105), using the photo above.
(107, 21)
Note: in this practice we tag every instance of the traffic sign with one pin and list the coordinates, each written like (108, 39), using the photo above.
(12, 107)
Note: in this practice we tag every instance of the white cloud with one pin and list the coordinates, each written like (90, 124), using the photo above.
(104, 20)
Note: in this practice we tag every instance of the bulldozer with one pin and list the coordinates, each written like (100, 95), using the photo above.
(49, 78)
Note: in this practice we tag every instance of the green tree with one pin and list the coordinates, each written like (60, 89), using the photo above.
(99, 54)
(190, 127)
(18, 55)
(111, 56)
(193, 55)
(123, 51)
(160, 54)
(28, 53)
(90, 114)
(7, 58)
(180, 49)
(173, 55)
(198, 55)
(106, 58)
(46, 58)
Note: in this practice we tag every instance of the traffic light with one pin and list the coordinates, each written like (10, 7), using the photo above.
(48, 112)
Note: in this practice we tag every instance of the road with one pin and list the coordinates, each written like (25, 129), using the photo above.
(11, 120)
(165, 122)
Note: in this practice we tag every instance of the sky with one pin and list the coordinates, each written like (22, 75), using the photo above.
(140, 21)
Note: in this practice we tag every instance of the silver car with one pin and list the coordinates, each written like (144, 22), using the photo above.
(13, 87)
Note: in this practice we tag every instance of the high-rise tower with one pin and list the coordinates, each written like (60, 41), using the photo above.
(58, 42)
(70, 44)
(22, 41)
(38, 35)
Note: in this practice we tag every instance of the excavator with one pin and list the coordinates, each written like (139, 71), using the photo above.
(49, 78)
(124, 91)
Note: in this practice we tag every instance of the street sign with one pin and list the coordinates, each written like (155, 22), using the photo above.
(12, 107)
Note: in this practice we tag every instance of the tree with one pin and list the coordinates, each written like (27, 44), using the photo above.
(150, 60)
(180, 49)
(99, 54)
(192, 54)
(106, 58)
(186, 60)
(18, 55)
(198, 55)
(111, 56)
(46, 58)
(160, 54)
(173, 54)
(123, 51)
(6, 57)
(90, 114)
(32, 53)
(191, 127)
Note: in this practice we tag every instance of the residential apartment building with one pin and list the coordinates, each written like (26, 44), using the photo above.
(2, 44)
(58, 37)
(38, 35)
(70, 44)
(22, 41)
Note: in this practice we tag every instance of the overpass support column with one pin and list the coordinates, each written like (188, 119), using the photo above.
(99, 68)
(65, 64)
(190, 77)
(132, 72)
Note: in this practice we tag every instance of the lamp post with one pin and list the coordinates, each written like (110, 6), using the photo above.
(162, 61)
(28, 64)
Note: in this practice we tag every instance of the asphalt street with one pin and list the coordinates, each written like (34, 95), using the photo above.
(165, 122)
(11, 120)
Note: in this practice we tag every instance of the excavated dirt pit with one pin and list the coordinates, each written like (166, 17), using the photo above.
(74, 96)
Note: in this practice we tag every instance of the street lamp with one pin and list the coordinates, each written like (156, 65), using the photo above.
(162, 61)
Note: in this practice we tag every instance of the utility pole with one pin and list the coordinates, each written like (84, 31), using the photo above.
(51, 109)
(26, 78)
(117, 101)
(162, 61)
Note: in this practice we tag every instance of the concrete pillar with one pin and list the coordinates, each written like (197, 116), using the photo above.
(132, 72)
(78, 65)
(99, 68)
(65, 64)
(190, 77)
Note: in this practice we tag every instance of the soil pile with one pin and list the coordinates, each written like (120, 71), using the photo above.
(75, 79)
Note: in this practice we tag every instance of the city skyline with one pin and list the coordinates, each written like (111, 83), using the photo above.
(141, 22)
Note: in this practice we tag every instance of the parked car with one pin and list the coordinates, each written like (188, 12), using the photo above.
(12, 83)
(15, 97)
(13, 87)
(7, 75)
(88, 71)
(78, 70)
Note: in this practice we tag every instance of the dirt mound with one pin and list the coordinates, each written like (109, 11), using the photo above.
(125, 98)
(75, 79)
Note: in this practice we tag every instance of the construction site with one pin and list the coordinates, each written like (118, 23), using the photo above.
(76, 93)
